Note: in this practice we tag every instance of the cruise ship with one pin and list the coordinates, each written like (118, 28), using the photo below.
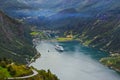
(59, 48)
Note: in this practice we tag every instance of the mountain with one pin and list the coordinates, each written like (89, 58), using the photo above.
(34, 8)
(102, 32)
(16, 45)
(95, 27)
(87, 18)
(12, 4)
(15, 41)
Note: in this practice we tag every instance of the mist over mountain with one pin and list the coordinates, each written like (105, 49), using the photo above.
(92, 23)
(80, 16)
(35, 8)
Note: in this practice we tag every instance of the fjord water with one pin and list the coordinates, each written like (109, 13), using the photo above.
(75, 63)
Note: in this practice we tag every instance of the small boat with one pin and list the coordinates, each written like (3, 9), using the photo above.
(59, 48)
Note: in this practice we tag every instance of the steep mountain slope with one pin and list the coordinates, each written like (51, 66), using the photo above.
(14, 43)
(76, 12)
(96, 22)
(103, 33)
(99, 30)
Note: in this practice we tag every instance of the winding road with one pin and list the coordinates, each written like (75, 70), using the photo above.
(25, 77)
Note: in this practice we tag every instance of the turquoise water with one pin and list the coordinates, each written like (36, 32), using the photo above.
(74, 46)
(77, 62)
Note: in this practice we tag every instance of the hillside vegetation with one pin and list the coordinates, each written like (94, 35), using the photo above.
(112, 62)
(14, 40)
(99, 31)
(10, 69)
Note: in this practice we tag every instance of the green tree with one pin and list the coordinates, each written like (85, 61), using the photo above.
(3, 73)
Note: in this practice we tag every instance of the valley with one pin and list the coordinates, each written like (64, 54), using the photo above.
(16, 51)
(88, 31)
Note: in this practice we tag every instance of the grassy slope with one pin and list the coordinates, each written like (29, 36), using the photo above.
(4, 73)
(60, 39)
(44, 75)
(112, 62)
(11, 69)
(39, 34)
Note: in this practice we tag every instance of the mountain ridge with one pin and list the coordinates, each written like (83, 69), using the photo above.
(99, 31)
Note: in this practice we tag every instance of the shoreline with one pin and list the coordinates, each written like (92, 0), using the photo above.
(54, 40)
(46, 47)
